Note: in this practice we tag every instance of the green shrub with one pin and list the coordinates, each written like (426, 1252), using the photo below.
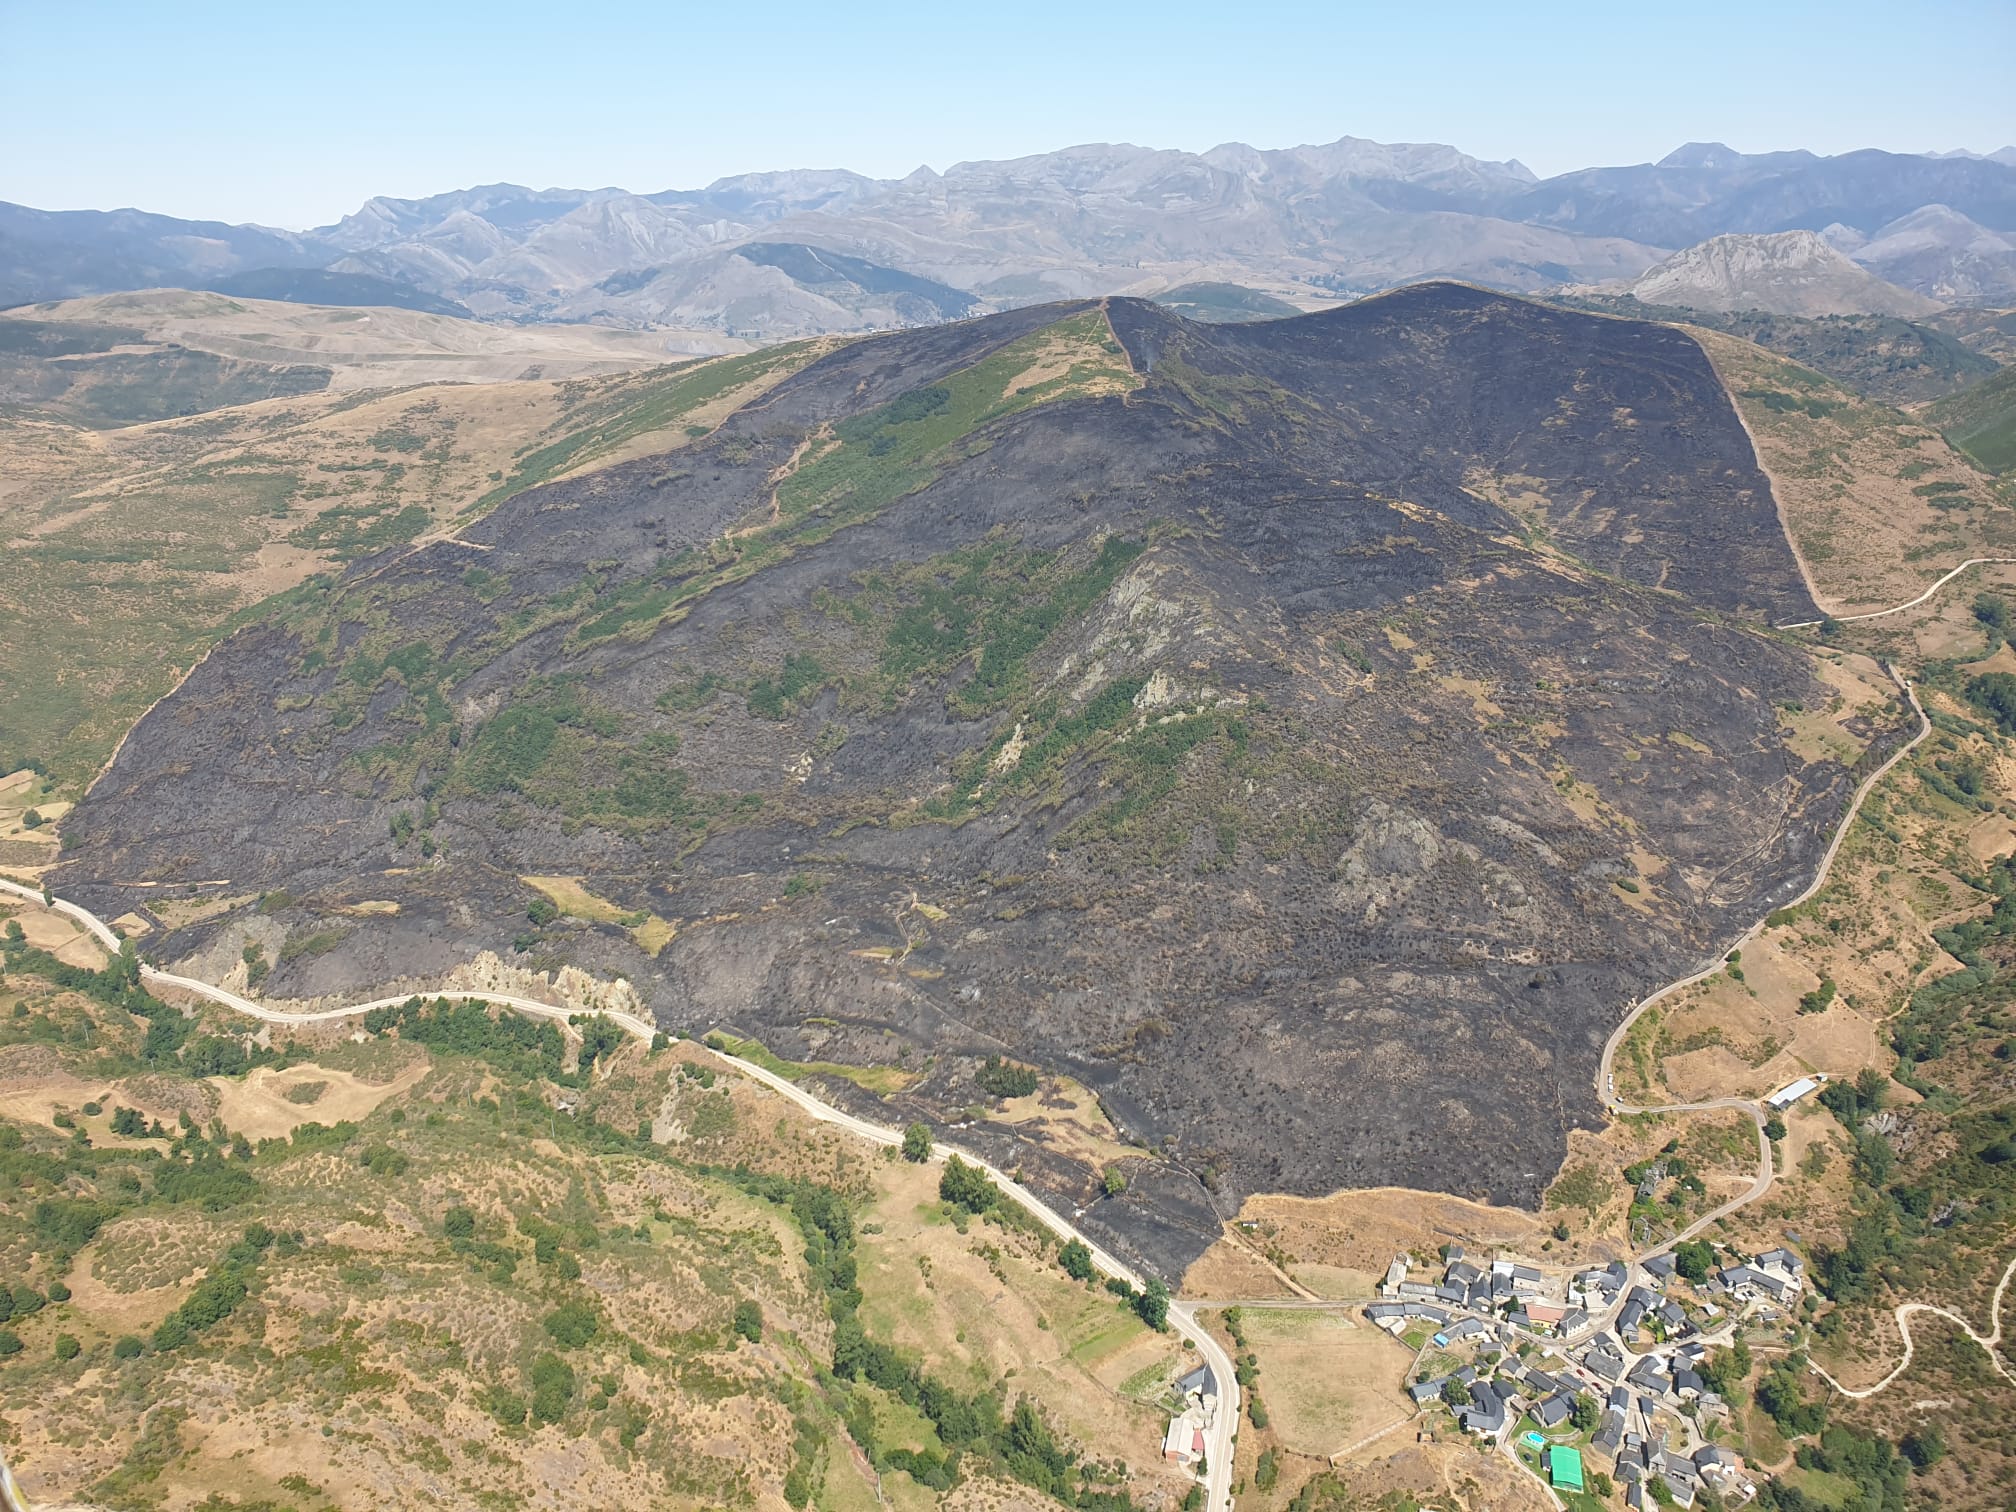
(552, 1388)
(458, 1223)
(749, 1321)
(67, 1347)
(126, 1347)
(573, 1324)
(1076, 1258)
(10, 1342)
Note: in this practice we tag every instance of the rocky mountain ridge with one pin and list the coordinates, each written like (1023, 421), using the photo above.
(1784, 273)
(1310, 222)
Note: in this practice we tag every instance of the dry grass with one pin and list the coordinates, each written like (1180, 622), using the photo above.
(381, 348)
(1877, 505)
(1328, 1380)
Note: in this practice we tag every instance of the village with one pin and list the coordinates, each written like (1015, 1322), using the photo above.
(1595, 1379)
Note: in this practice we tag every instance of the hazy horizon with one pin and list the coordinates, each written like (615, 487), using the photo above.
(241, 114)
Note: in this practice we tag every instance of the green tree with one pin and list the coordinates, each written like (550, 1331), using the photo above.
(67, 1347)
(967, 1187)
(126, 1347)
(1152, 1304)
(1076, 1258)
(1924, 1446)
(458, 1222)
(917, 1143)
(749, 1321)
(1693, 1259)
(1266, 1472)
(1584, 1413)
(1115, 1182)
(1455, 1393)
(10, 1342)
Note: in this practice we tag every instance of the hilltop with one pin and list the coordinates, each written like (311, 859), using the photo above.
(1789, 273)
(1081, 685)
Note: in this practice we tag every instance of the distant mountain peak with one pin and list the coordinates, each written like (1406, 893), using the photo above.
(1784, 273)
(1702, 155)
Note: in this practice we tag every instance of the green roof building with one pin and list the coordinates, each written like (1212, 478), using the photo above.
(1564, 1467)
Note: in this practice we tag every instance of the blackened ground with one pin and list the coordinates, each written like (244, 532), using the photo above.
(1378, 938)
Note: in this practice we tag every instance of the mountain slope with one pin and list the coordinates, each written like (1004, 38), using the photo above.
(1981, 421)
(1789, 273)
(1134, 697)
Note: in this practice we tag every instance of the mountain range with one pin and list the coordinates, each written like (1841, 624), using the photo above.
(775, 255)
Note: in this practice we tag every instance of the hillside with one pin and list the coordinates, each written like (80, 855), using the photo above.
(444, 1257)
(131, 546)
(1788, 273)
(1877, 356)
(1070, 685)
(1981, 421)
(1875, 501)
(356, 347)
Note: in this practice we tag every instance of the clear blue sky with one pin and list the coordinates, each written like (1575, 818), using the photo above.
(292, 114)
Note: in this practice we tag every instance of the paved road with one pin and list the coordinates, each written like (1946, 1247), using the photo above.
(1182, 1316)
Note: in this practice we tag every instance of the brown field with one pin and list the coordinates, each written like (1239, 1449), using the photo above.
(1328, 1380)
(258, 1107)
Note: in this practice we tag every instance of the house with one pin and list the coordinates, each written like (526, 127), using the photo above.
(1573, 1322)
(1781, 1262)
(1548, 1313)
(1564, 1468)
(1424, 1392)
(1553, 1411)
(1384, 1313)
(1790, 1093)
(1183, 1444)
(1604, 1363)
(1715, 1456)
(1416, 1289)
(1688, 1385)
(1746, 1282)
(1631, 1317)
(1200, 1382)
(1464, 1328)
(1395, 1274)
(1620, 1399)
(1649, 1378)
(1453, 1294)
(1682, 1490)
(1662, 1266)
(1610, 1437)
(1634, 1497)
(1486, 1412)
(1462, 1273)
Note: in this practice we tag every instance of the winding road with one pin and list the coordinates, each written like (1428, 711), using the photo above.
(1843, 619)
(1182, 1316)
(1990, 1342)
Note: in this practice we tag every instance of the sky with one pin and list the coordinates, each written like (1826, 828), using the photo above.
(293, 115)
